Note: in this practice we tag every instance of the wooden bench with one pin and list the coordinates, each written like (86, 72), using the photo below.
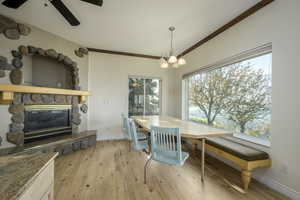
(245, 157)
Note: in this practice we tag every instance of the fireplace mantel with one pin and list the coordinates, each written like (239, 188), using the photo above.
(7, 92)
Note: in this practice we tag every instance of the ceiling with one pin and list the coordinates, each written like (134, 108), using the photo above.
(136, 26)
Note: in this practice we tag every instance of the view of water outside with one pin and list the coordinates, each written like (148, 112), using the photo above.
(235, 97)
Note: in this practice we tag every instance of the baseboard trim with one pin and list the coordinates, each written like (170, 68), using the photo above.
(102, 138)
(275, 185)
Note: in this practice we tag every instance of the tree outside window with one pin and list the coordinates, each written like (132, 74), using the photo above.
(144, 96)
(235, 97)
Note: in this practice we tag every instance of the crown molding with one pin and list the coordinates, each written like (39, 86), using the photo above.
(124, 53)
(234, 21)
(220, 30)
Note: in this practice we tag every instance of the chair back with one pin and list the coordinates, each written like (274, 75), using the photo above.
(125, 126)
(165, 139)
(123, 123)
(133, 133)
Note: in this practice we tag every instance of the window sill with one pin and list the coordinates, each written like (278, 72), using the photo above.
(250, 140)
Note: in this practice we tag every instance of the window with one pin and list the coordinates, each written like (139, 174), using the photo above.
(144, 96)
(235, 96)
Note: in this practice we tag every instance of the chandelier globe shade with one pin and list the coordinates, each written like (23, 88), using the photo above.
(162, 60)
(172, 59)
(181, 61)
(164, 65)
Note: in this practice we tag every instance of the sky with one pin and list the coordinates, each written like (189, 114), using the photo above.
(263, 62)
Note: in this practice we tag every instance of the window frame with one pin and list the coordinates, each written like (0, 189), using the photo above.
(256, 52)
(144, 78)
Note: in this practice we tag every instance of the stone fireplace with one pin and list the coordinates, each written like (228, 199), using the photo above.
(43, 98)
(39, 116)
(41, 111)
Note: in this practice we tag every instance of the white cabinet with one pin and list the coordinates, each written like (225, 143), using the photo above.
(42, 186)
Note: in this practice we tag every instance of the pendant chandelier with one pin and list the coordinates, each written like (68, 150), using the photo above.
(171, 59)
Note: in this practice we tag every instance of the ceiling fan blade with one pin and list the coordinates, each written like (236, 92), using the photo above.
(65, 12)
(95, 2)
(13, 3)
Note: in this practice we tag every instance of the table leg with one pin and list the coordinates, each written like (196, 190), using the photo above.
(203, 160)
(149, 142)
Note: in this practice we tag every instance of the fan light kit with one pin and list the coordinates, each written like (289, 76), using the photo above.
(172, 59)
(58, 4)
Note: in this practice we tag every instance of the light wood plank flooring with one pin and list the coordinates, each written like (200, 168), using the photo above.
(109, 171)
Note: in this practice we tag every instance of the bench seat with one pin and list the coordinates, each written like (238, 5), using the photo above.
(246, 157)
(238, 150)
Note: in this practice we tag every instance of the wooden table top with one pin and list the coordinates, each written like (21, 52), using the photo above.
(188, 129)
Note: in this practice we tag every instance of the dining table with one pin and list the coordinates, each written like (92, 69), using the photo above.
(188, 130)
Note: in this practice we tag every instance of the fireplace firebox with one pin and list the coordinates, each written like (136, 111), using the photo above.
(44, 121)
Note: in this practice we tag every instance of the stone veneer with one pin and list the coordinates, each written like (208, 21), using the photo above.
(16, 74)
(16, 109)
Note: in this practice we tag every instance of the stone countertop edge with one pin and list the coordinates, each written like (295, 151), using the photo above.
(15, 193)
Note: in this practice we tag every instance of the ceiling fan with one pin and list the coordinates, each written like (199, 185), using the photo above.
(58, 4)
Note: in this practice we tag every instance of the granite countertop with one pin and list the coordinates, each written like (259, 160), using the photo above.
(19, 170)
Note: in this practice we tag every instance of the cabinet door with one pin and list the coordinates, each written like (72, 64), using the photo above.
(49, 195)
(41, 185)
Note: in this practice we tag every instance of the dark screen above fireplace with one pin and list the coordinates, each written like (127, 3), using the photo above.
(48, 72)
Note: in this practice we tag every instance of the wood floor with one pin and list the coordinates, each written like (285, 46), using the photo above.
(109, 171)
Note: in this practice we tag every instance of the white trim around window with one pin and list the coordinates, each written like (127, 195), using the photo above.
(241, 138)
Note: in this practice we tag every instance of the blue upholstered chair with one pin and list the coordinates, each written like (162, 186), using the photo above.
(125, 126)
(166, 147)
(125, 129)
(138, 140)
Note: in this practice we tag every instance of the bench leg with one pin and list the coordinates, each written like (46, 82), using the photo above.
(246, 178)
(194, 149)
(203, 160)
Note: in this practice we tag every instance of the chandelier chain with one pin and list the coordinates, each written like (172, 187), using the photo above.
(171, 43)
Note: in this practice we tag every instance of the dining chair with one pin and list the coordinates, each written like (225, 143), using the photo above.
(165, 147)
(124, 126)
(125, 130)
(138, 140)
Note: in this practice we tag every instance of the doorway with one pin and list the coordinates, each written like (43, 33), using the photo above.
(144, 96)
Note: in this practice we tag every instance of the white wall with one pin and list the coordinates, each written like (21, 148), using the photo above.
(108, 81)
(44, 40)
(278, 23)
